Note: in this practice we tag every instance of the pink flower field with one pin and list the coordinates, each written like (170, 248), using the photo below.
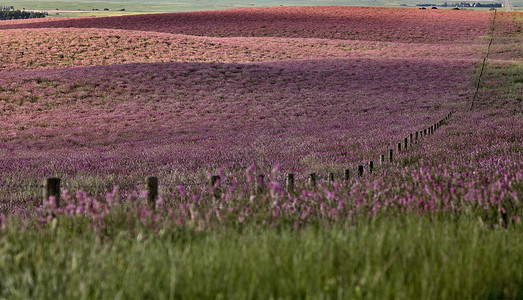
(108, 101)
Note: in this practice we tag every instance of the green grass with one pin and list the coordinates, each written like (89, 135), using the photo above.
(407, 258)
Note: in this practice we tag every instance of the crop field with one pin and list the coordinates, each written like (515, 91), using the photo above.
(104, 102)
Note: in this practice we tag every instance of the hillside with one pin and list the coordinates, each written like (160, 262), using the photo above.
(104, 102)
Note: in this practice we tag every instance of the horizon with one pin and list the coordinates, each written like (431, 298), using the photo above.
(117, 7)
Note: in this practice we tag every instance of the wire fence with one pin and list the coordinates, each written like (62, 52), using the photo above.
(52, 186)
(478, 84)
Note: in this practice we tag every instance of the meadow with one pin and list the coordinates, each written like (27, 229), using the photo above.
(104, 102)
(61, 8)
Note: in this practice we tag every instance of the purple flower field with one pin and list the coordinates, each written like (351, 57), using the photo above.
(104, 113)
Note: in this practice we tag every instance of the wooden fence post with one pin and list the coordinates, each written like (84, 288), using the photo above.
(390, 154)
(360, 170)
(52, 189)
(347, 174)
(215, 185)
(406, 143)
(371, 166)
(331, 177)
(260, 184)
(382, 159)
(416, 137)
(312, 180)
(411, 138)
(151, 185)
(399, 147)
(289, 183)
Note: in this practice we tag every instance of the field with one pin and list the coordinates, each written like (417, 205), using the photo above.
(95, 8)
(104, 102)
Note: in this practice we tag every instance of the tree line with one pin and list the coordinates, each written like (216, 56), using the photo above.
(9, 13)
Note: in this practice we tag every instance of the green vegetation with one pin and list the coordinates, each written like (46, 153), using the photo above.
(407, 258)
(9, 13)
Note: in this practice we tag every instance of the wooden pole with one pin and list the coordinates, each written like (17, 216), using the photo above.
(406, 143)
(151, 185)
(360, 170)
(382, 159)
(260, 184)
(312, 180)
(399, 147)
(289, 183)
(371, 166)
(52, 189)
(390, 154)
(215, 185)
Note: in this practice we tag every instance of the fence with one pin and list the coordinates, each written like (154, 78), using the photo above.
(478, 84)
(52, 186)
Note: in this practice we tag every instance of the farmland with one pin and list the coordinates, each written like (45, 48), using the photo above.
(104, 102)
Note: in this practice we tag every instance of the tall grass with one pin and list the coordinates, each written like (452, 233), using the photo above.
(410, 257)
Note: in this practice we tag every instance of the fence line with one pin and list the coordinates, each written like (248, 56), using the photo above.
(52, 186)
(484, 60)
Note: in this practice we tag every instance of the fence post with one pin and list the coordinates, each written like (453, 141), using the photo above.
(360, 170)
(51, 189)
(347, 174)
(260, 184)
(399, 147)
(331, 177)
(371, 166)
(289, 183)
(416, 137)
(406, 143)
(312, 180)
(382, 159)
(411, 138)
(390, 154)
(151, 185)
(215, 185)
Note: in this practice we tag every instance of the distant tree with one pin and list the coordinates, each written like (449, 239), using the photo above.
(9, 13)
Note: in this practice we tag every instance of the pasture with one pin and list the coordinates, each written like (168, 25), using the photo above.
(104, 102)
